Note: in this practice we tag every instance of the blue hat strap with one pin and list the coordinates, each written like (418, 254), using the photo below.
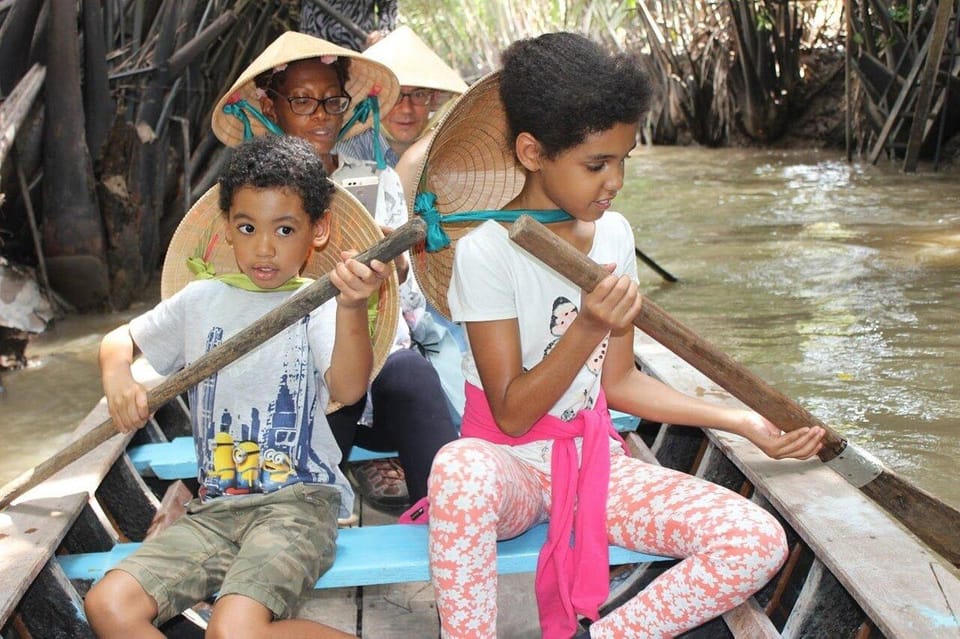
(238, 110)
(437, 239)
(367, 106)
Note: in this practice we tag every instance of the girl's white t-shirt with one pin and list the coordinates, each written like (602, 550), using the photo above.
(494, 279)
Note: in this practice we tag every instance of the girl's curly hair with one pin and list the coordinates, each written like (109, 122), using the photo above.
(560, 87)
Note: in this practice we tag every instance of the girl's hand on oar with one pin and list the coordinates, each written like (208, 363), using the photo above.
(802, 443)
(612, 304)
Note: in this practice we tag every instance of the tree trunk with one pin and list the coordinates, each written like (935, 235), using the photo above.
(97, 103)
(122, 211)
(72, 229)
(16, 34)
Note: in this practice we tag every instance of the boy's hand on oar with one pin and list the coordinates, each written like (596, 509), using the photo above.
(356, 281)
(127, 403)
(802, 443)
(612, 304)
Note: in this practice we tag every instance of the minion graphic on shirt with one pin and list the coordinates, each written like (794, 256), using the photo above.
(224, 468)
(275, 470)
(246, 455)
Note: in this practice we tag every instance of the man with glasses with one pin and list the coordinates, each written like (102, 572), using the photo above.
(426, 83)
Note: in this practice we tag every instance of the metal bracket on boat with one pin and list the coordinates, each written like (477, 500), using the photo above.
(856, 465)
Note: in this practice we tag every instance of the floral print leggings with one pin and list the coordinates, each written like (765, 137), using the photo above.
(479, 493)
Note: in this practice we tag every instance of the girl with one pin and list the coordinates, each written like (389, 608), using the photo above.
(548, 136)
(312, 89)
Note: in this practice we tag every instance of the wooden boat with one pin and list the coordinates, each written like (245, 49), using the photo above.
(852, 572)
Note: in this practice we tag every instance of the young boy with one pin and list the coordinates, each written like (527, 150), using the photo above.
(263, 528)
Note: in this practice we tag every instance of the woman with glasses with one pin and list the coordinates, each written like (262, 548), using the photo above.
(315, 90)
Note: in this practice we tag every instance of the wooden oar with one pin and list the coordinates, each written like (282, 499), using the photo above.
(662, 272)
(243, 342)
(929, 518)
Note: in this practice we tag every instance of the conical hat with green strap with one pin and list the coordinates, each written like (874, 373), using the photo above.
(200, 234)
(366, 77)
(470, 166)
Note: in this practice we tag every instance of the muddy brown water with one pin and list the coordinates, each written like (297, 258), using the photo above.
(837, 283)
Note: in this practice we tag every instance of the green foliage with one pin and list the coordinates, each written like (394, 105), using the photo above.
(765, 20)
(470, 35)
(719, 63)
(900, 13)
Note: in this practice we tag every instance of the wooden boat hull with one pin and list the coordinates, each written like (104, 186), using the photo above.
(852, 571)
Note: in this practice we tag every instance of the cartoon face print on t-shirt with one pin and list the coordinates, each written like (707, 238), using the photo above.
(563, 315)
(564, 312)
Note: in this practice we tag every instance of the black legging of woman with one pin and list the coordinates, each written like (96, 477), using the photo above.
(410, 416)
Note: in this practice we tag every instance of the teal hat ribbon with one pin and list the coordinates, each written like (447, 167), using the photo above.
(370, 105)
(437, 239)
(238, 109)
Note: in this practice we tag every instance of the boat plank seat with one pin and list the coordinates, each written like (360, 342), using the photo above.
(177, 458)
(361, 560)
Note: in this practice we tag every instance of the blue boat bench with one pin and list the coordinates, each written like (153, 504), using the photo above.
(177, 459)
(366, 556)
(372, 555)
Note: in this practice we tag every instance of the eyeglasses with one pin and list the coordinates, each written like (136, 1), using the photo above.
(304, 105)
(418, 97)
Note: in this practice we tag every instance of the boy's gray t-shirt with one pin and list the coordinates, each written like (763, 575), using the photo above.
(259, 423)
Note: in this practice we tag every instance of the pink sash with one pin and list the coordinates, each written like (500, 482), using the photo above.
(573, 569)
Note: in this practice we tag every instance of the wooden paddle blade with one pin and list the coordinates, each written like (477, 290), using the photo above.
(928, 517)
(240, 344)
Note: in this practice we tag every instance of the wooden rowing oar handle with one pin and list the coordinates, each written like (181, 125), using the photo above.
(928, 517)
(699, 353)
(240, 344)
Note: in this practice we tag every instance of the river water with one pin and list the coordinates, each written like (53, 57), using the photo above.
(837, 283)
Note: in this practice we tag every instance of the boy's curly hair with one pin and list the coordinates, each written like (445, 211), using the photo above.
(560, 87)
(278, 162)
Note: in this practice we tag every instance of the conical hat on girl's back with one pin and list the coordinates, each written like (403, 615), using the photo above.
(470, 166)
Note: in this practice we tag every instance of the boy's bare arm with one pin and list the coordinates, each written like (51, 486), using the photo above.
(126, 399)
(352, 359)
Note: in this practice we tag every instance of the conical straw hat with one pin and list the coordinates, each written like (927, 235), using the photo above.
(200, 234)
(415, 63)
(470, 166)
(366, 77)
